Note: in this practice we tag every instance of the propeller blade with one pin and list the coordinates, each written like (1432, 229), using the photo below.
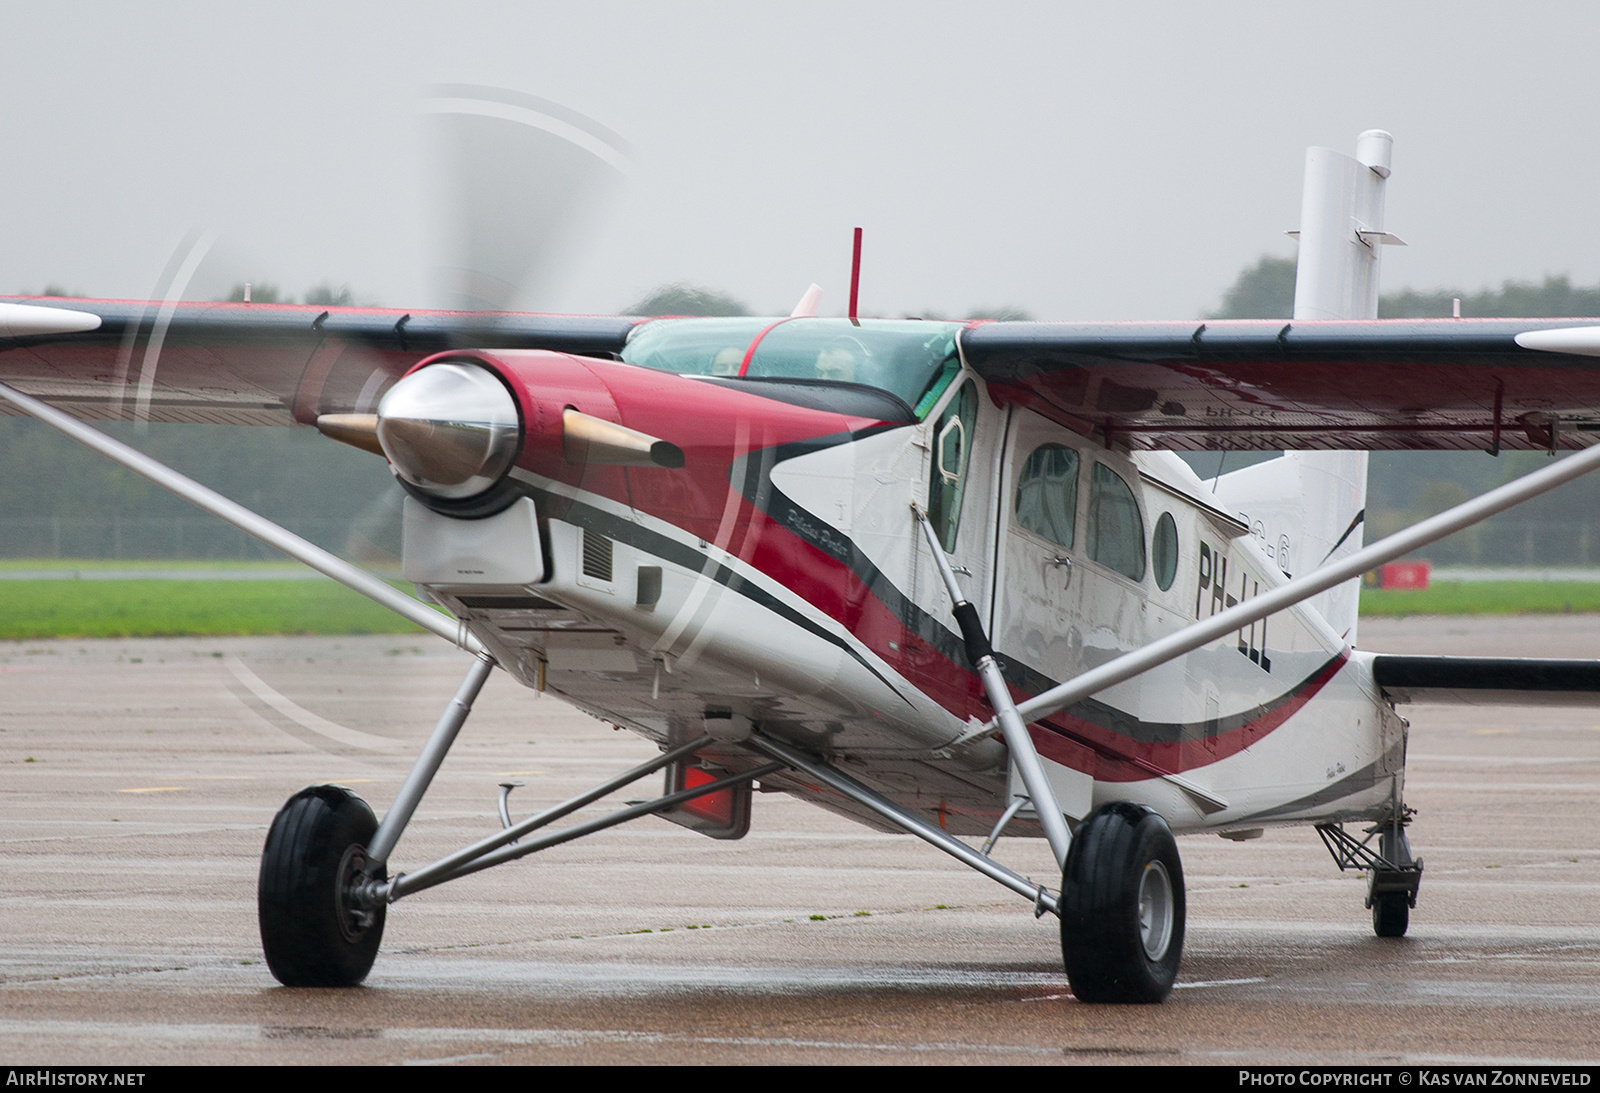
(518, 178)
(586, 439)
(356, 430)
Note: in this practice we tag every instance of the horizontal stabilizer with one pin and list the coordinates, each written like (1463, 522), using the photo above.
(1487, 681)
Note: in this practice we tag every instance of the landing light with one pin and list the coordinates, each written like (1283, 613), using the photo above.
(450, 430)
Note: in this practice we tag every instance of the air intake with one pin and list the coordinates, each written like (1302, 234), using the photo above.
(597, 551)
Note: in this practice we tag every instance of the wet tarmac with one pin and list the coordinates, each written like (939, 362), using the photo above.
(137, 780)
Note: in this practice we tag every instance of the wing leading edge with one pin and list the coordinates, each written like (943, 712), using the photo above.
(1371, 384)
(257, 364)
(1378, 384)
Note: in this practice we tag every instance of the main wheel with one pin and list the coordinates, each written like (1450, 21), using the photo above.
(1391, 914)
(1122, 906)
(313, 934)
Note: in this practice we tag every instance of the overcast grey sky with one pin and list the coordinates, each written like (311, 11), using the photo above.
(1081, 161)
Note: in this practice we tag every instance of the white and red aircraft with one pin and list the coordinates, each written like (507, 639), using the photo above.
(944, 578)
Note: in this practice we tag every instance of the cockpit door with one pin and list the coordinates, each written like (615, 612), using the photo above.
(1072, 564)
(1038, 587)
(961, 442)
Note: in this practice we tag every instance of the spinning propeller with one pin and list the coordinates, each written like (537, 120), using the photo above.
(517, 180)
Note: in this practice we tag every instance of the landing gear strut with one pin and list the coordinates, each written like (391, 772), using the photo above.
(1392, 889)
(325, 886)
(1393, 875)
(326, 851)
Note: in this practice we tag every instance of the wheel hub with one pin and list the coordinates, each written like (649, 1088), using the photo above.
(354, 918)
(1155, 910)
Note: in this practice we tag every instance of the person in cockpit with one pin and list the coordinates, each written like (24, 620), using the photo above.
(727, 362)
(842, 360)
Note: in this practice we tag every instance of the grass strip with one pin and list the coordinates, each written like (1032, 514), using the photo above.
(177, 608)
(268, 566)
(134, 608)
(1483, 598)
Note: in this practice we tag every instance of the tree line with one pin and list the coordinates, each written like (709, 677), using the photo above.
(1560, 528)
(1266, 291)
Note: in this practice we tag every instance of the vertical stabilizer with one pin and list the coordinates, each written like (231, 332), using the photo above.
(1309, 508)
(1341, 230)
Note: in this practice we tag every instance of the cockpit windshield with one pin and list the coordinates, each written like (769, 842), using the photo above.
(909, 358)
(696, 347)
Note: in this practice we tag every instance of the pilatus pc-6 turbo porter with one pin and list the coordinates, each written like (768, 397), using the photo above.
(942, 578)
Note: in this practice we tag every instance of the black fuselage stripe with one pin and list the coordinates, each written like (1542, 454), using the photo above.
(758, 488)
(762, 493)
(679, 554)
(1352, 783)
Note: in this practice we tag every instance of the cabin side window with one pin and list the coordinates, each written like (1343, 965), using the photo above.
(1164, 551)
(1047, 493)
(952, 452)
(1116, 530)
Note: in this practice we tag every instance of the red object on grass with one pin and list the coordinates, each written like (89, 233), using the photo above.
(1405, 575)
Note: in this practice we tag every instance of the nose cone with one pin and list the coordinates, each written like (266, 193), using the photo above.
(451, 430)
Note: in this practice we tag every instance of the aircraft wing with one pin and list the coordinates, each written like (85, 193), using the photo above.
(1487, 681)
(1488, 383)
(250, 364)
(1372, 384)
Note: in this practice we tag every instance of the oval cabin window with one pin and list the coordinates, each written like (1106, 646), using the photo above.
(1164, 551)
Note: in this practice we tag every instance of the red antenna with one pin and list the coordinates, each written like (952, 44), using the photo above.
(855, 275)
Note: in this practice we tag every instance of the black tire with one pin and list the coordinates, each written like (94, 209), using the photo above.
(1115, 950)
(1391, 914)
(315, 850)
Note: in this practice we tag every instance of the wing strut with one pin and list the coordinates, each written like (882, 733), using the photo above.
(329, 565)
(1287, 595)
(1015, 730)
